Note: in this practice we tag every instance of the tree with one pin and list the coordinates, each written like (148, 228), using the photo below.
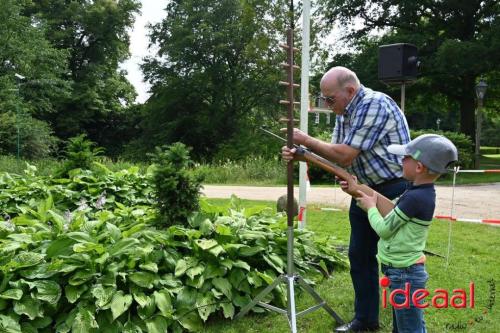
(26, 51)
(458, 41)
(216, 72)
(95, 36)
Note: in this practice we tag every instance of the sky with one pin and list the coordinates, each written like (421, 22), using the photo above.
(152, 12)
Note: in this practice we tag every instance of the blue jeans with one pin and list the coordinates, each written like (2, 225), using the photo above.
(362, 256)
(407, 320)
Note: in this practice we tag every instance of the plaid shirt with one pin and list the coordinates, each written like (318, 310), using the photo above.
(371, 122)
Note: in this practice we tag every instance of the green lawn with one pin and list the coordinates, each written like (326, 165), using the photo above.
(473, 257)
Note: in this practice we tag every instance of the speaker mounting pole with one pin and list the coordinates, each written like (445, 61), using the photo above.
(403, 92)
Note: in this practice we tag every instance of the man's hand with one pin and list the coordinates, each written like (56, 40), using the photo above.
(349, 189)
(366, 201)
(299, 137)
(288, 154)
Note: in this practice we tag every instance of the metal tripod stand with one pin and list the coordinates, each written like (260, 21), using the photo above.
(290, 278)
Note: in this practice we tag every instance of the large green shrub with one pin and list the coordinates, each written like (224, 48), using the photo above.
(80, 154)
(176, 185)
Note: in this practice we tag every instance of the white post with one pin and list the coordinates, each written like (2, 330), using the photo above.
(304, 107)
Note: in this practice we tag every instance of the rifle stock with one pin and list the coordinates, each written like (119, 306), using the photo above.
(384, 205)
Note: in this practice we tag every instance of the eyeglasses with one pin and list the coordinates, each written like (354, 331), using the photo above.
(327, 99)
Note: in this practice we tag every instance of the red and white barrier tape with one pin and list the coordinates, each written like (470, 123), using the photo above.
(493, 222)
(480, 171)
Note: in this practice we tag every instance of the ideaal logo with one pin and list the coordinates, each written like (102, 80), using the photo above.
(459, 299)
(440, 299)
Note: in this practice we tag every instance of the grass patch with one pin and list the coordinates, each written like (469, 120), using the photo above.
(473, 257)
(252, 171)
(47, 167)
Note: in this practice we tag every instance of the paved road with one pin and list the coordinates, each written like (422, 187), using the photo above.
(474, 202)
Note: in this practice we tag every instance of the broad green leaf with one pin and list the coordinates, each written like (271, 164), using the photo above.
(60, 247)
(29, 307)
(206, 305)
(194, 271)
(212, 270)
(102, 295)
(157, 324)
(141, 298)
(206, 244)
(26, 259)
(80, 236)
(241, 264)
(40, 271)
(130, 327)
(58, 220)
(223, 285)
(236, 277)
(143, 279)
(197, 282)
(12, 294)
(170, 281)
(102, 259)
(272, 260)
(191, 321)
(84, 322)
(41, 322)
(228, 263)
(269, 279)
(148, 310)
(73, 293)
(21, 238)
(47, 290)
(180, 267)
(9, 324)
(88, 247)
(228, 309)
(216, 250)
(80, 277)
(206, 227)
(241, 300)
(223, 230)
(120, 303)
(123, 246)
(250, 251)
(114, 231)
(152, 267)
(163, 302)
(254, 279)
(186, 298)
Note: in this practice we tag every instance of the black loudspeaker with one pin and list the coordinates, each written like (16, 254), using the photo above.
(397, 63)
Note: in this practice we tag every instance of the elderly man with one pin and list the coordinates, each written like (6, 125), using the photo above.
(367, 122)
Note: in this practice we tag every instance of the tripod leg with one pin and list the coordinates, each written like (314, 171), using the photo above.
(260, 296)
(318, 299)
(292, 317)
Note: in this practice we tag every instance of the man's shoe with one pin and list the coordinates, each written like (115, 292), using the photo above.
(357, 326)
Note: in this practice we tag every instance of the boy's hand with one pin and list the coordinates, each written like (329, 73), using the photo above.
(366, 201)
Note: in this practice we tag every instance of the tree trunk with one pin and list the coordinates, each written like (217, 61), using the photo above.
(467, 108)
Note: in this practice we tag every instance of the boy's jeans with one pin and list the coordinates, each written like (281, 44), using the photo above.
(405, 320)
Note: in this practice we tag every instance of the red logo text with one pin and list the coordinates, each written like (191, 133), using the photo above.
(439, 299)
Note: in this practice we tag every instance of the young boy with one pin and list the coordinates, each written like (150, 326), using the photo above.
(403, 231)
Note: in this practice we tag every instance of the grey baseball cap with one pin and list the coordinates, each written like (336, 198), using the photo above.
(434, 151)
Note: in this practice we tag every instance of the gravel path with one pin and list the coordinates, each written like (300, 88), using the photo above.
(474, 202)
